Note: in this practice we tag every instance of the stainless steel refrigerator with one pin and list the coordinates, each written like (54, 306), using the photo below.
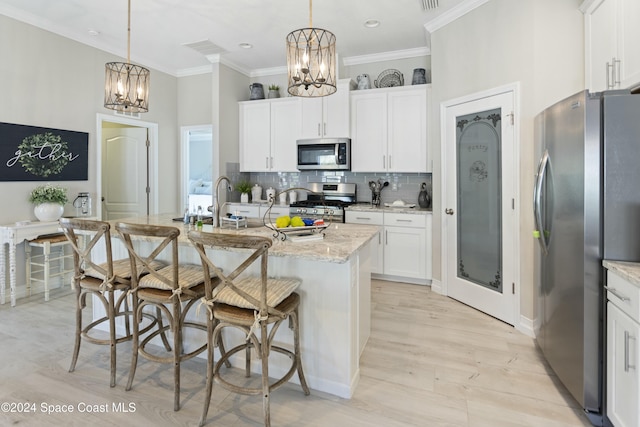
(586, 209)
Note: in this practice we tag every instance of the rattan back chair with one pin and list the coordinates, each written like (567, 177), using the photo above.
(167, 289)
(250, 303)
(109, 282)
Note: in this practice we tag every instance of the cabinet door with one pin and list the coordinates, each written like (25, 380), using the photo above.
(312, 117)
(629, 42)
(407, 143)
(255, 135)
(285, 131)
(368, 132)
(335, 110)
(405, 252)
(600, 43)
(623, 377)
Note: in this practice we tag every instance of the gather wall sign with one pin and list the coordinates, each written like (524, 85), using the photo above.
(31, 153)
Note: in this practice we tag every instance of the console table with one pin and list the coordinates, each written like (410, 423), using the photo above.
(13, 235)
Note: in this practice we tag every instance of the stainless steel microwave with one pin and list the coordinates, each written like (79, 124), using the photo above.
(324, 154)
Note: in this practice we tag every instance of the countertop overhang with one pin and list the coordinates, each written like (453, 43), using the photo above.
(341, 241)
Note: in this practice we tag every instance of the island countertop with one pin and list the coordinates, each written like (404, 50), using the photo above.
(341, 241)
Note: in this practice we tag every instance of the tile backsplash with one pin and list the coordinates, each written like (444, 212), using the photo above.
(402, 186)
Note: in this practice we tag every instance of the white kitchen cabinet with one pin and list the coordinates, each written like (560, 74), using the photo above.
(371, 218)
(623, 352)
(612, 44)
(327, 116)
(405, 246)
(269, 130)
(403, 250)
(389, 130)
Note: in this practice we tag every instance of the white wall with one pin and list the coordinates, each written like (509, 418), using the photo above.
(538, 43)
(50, 81)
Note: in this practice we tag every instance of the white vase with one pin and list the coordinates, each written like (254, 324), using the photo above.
(47, 212)
(244, 198)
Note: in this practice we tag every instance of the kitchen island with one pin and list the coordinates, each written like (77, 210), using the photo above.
(335, 308)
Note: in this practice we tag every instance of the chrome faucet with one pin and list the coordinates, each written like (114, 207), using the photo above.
(216, 207)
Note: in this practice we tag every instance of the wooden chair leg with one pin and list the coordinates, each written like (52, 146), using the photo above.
(210, 359)
(177, 350)
(293, 318)
(264, 355)
(134, 343)
(112, 336)
(76, 347)
(163, 335)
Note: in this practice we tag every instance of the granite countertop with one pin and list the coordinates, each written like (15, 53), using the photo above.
(341, 241)
(630, 271)
(368, 207)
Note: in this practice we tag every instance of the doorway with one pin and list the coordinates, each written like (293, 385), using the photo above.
(480, 223)
(127, 172)
(197, 166)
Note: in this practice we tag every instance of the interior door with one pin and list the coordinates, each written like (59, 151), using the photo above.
(125, 172)
(479, 205)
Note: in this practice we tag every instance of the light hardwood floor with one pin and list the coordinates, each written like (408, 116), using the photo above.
(430, 361)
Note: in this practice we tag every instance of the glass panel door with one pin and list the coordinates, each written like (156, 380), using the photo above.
(479, 204)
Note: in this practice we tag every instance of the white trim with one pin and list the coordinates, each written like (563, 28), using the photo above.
(387, 56)
(514, 88)
(526, 326)
(436, 286)
(452, 14)
(186, 72)
(153, 160)
(274, 71)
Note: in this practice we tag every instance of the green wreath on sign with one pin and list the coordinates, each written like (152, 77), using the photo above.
(43, 154)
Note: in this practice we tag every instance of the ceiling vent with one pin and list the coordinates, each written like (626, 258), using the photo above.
(429, 4)
(205, 47)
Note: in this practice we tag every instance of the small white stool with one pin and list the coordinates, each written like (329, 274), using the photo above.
(43, 263)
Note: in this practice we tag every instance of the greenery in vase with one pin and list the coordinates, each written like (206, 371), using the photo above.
(274, 87)
(244, 187)
(48, 194)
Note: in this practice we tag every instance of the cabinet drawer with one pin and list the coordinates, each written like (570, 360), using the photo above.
(358, 217)
(244, 210)
(405, 220)
(624, 295)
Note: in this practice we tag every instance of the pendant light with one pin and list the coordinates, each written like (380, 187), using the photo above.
(311, 61)
(126, 86)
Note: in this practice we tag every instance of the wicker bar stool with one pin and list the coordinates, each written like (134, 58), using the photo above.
(167, 290)
(102, 281)
(249, 303)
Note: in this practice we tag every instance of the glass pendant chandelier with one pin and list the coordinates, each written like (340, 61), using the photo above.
(311, 61)
(126, 86)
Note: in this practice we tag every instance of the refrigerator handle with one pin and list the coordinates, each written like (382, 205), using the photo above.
(537, 197)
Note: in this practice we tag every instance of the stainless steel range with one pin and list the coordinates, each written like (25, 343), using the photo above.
(327, 201)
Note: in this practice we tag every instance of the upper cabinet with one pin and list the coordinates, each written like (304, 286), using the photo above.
(389, 130)
(328, 116)
(268, 133)
(612, 44)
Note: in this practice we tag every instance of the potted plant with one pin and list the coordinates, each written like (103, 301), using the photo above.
(49, 201)
(244, 187)
(274, 91)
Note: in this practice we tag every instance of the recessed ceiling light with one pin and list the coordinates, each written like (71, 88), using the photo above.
(371, 23)
(93, 32)
(246, 45)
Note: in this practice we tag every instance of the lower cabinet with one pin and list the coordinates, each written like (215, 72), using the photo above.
(371, 218)
(403, 248)
(623, 353)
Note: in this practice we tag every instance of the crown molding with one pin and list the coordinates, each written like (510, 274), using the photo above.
(274, 71)
(387, 56)
(452, 14)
